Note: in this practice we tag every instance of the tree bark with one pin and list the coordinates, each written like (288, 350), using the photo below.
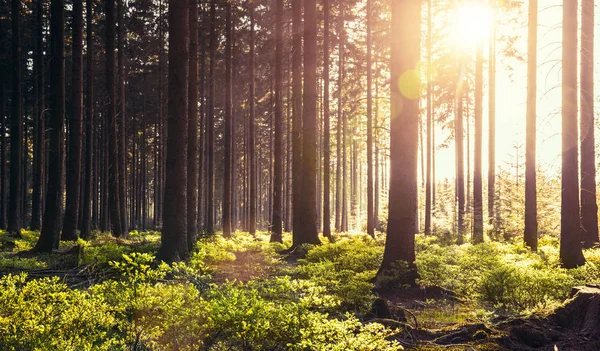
(51, 225)
(38, 157)
(477, 177)
(210, 120)
(429, 128)
(492, 120)
(276, 224)
(16, 126)
(571, 254)
(326, 125)
(122, 72)
(226, 215)
(309, 229)
(297, 128)
(338, 184)
(174, 235)
(73, 183)
(192, 151)
(251, 130)
(370, 215)
(589, 206)
(404, 129)
(530, 234)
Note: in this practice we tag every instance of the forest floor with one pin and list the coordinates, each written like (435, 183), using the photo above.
(485, 297)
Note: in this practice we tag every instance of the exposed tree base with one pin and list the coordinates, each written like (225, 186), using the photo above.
(574, 326)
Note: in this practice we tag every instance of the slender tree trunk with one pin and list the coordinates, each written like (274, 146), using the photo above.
(251, 129)
(16, 126)
(460, 160)
(571, 254)
(531, 235)
(3, 191)
(308, 232)
(174, 235)
(226, 217)
(69, 230)
(477, 178)
(38, 157)
(121, 120)
(428, 167)
(338, 185)
(113, 144)
(326, 126)
(210, 229)
(89, 134)
(201, 142)
(492, 120)
(51, 225)
(344, 224)
(276, 225)
(297, 128)
(589, 207)
(192, 151)
(404, 129)
(370, 214)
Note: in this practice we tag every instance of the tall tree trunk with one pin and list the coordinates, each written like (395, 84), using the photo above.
(3, 190)
(344, 162)
(404, 129)
(89, 134)
(571, 254)
(276, 225)
(226, 216)
(589, 207)
(477, 178)
(251, 129)
(174, 235)
(51, 225)
(192, 151)
(210, 131)
(492, 120)
(16, 126)
(121, 120)
(460, 159)
(370, 214)
(428, 167)
(112, 142)
(530, 234)
(38, 156)
(326, 126)
(73, 183)
(297, 214)
(308, 232)
(338, 184)
(202, 141)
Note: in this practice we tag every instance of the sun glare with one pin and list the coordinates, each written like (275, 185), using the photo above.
(471, 24)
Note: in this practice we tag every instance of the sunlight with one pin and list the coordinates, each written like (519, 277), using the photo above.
(471, 24)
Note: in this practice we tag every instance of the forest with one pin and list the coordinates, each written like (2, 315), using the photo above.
(298, 175)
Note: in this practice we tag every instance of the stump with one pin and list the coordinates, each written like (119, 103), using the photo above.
(581, 312)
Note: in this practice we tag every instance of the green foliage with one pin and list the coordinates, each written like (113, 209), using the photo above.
(45, 314)
(346, 269)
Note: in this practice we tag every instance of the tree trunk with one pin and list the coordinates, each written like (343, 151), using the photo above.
(121, 120)
(308, 232)
(530, 234)
(210, 120)
(477, 178)
(429, 128)
(174, 235)
(370, 215)
(571, 254)
(69, 230)
(16, 126)
(404, 129)
(276, 225)
(326, 126)
(38, 157)
(492, 120)
(460, 159)
(297, 213)
(51, 225)
(89, 134)
(3, 190)
(192, 151)
(589, 207)
(226, 216)
(251, 130)
(338, 184)
(112, 142)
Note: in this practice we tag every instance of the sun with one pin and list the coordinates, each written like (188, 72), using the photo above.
(471, 23)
